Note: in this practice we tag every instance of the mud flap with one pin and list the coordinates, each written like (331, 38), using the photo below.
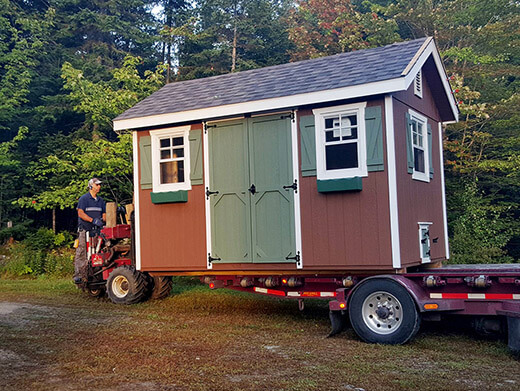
(338, 321)
(513, 334)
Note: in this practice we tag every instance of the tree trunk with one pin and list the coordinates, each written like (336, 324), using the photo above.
(54, 220)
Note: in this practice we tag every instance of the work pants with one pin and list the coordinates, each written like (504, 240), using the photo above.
(80, 259)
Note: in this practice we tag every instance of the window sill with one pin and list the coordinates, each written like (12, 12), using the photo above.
(169, 197)
(345, 184)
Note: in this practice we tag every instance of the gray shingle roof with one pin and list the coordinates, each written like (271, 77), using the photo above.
(341, 70)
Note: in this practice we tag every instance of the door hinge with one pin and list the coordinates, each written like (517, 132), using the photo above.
(294, 186)
(211, 259)
(208, 193)
(206, 127)
(291, 116)
(295, 258)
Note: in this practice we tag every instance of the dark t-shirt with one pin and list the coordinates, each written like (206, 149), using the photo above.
(92, 207)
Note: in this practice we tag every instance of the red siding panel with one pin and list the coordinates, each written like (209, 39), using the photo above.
(418, 201)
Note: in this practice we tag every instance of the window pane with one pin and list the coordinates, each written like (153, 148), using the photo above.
(172, 172)
(349, 133)
(341, 156)
(178, 141)
(331, 122)
(332, 135)
(178, 152)
(165, 142)
(165, 154)
(418, 156)
(349, 120)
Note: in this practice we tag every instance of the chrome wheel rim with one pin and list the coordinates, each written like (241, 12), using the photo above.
(120, 286)
(382, 313)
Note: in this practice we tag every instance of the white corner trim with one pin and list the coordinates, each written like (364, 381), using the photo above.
(328, 95)
(392, 182)
(137, 214)
(297, 205)
(207, 206)
(443, 185)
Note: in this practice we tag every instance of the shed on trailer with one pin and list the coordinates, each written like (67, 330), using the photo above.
(313, 167)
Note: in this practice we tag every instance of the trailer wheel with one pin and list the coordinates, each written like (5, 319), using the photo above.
(125, 285)
(161, 287)
(382, 311)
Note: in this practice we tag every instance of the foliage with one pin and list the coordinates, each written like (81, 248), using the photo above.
(40, 254)
(103, 100)
(324, 27)
(479, 230)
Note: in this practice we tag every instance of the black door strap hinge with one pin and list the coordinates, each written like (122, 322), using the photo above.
(295, 258)
(206, 127)
(294, 186)
(208, 193)
(211, 259)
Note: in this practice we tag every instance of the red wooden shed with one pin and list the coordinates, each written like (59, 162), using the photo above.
(314, 167)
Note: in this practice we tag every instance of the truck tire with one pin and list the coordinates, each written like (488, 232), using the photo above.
(161, 286)
(382, 311)
(125, 285)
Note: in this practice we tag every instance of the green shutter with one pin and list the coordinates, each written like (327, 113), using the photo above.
(145, 147)
(430, 149)
(374, 133)
(196, 157)
(308, 145)
(409, 146)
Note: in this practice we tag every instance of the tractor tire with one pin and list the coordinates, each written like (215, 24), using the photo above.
(125, 285)
(382, 311)
(161, 287)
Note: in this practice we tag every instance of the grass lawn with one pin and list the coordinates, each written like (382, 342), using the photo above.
(53, 337)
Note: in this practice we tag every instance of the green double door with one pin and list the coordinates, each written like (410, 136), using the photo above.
(251, 213)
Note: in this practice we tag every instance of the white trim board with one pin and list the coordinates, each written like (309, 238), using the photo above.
(207, 208)
(392, 182)
(137, 214)
(443, 185)
(297, 208)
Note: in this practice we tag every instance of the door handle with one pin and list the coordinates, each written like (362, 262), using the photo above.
(252, 189)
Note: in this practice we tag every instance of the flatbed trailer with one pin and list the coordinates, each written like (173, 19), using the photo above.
(388, 308)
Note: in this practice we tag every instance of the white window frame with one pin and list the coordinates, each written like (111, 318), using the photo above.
(424, 225)
(319, 123)
(417, 175)
(156, 136)
(418, 84)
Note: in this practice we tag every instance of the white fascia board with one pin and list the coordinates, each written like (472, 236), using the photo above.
(411, 71)
(357, 91)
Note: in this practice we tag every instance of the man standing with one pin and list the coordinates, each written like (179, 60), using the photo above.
(91, 214)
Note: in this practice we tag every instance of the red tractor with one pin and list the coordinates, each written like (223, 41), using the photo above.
(111, 270)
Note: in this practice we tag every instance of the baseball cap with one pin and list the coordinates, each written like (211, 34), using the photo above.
(94, 181)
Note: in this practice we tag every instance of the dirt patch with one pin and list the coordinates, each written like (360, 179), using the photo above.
(219, 341)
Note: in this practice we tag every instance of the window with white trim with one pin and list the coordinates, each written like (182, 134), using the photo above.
(170, 159)
(341, 141)
(420, 150)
